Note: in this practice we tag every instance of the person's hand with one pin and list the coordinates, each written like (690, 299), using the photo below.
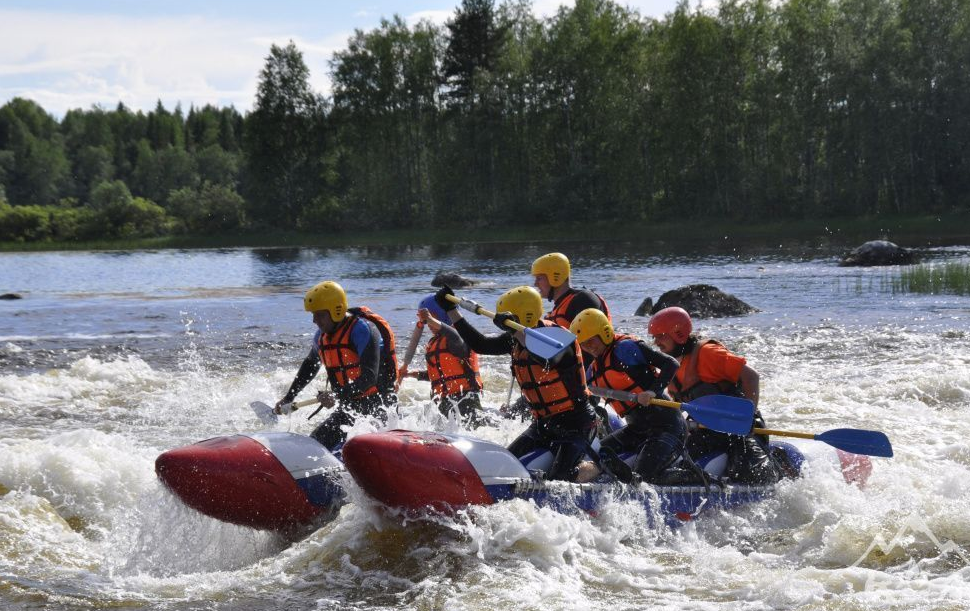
(425, 317)
(326, 398)
(644, 397)
(283, 407)
(500, 319)
(442, 300)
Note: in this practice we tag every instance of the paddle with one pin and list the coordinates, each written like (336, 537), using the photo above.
(544, 342)
(409, 354)
(856, 441)
(732, 415)
(266, 414)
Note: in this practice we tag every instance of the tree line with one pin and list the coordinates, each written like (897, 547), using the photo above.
(758, 110)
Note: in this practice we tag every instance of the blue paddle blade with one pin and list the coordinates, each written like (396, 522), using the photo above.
(858, 441)
(547, 342)
(732, 415)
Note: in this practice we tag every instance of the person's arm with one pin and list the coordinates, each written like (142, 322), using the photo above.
(750, 385)
(366, 340)
(640, 359)
(482, 344)
(308, 370)
(456, 345)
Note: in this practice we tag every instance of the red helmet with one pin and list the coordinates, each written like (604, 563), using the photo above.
(674, 322)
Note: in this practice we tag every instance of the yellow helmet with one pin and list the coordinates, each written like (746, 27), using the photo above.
(524, 302)
(328, 296)
(555, 266)
(592, 322)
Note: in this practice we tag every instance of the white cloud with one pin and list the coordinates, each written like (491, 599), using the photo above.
(76, 60)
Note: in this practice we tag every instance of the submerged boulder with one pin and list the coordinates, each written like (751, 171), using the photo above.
(878, 252)
(453, 280)
(646, 307)
(700, 301)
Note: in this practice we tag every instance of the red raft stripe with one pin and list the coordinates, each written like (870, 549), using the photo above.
(414, 471)
(236, 479)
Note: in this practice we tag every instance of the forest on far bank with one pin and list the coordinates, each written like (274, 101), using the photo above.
(757, 110)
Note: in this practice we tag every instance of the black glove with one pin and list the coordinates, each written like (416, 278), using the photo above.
(441, 299)
(500, 319)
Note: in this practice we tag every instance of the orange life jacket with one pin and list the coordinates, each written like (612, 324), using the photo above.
(450, 376)
(549, 391)
(687, 385)
(558, 313)
(342, 362)
(609, 372)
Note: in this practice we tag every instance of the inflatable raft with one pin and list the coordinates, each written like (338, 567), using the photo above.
(282, 482)
(291, 484)
(423, 471)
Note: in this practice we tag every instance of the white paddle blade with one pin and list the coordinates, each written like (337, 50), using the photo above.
(547, 342)
(264, 412)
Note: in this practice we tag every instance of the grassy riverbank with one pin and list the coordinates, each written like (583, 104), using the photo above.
(911, 231)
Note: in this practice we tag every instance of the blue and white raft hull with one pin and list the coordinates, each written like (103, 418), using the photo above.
(425, 471)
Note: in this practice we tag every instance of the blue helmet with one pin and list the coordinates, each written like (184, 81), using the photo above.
(435, 309)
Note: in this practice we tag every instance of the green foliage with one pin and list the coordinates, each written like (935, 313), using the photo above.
(212, 209)
(124, 216)
(23, 223)
(755, 109)
(952, 278)
(285, 140)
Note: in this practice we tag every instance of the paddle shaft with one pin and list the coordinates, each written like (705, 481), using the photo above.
(622, 395)
(299, 404)
(757, 431)
(475, 308)
(783, 433)
(471, 306)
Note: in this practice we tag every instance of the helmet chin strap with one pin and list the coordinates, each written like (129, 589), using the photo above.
(684, 348)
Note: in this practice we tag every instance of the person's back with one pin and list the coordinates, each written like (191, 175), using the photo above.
(451, 366)
(356, 347)
(708, 368)
(555, 391)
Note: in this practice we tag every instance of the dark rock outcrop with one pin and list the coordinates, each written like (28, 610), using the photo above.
(453, 280)
(10, 296)
(878, 252)
(700, 301)
(646, 307)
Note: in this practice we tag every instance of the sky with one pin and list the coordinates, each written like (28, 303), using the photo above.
(66, 54)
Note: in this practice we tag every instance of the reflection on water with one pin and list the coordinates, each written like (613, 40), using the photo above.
(159, 303)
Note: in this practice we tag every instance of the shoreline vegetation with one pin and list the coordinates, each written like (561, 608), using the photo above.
(748, 119)
(951, 278)
(908, 231)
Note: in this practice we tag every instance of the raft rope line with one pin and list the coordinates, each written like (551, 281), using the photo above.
(526, 486)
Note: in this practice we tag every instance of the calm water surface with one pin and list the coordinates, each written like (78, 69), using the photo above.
(111, 358)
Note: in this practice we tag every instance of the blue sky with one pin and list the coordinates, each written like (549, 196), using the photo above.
(67, 55)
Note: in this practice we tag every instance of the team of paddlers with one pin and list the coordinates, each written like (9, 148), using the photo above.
(357, 348)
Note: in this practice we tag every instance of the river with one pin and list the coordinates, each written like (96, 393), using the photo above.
(111, 358)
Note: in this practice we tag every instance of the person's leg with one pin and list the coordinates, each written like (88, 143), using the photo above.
(330, 432)
(749, 462)
(527, 441)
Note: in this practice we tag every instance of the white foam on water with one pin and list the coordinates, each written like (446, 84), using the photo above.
(79, 443)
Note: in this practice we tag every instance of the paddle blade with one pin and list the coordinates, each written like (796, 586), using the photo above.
(264, 412)
(547, 342)
(856, 468)
(732, 415)
(858, 441)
